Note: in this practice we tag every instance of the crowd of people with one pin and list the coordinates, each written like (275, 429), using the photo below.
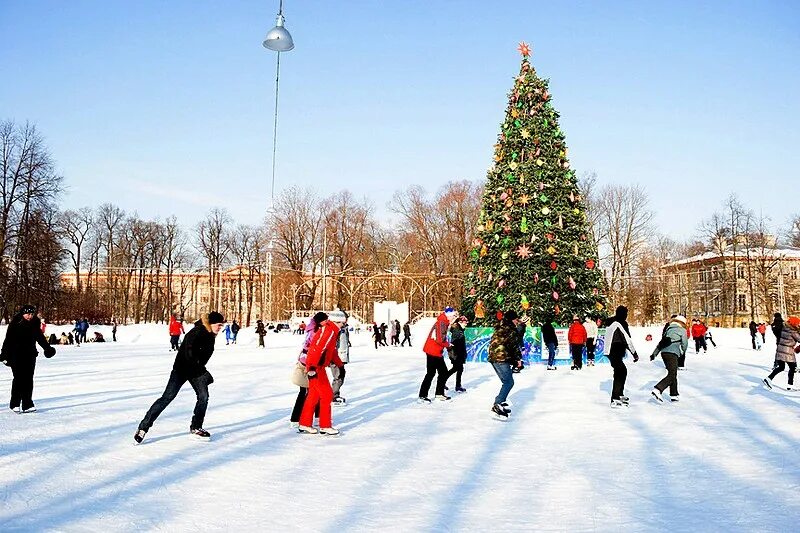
(327, 347)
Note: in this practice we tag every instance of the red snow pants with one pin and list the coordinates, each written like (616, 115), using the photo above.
(319, 391)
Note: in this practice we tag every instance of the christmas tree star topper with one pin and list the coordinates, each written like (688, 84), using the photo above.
(524, 49)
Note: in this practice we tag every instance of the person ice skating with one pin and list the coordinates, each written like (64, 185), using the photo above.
(434, 348)
(70, 338)
(63, 340)
(753, 327)
(591, 336)
(234, 331)
(619, 337)
(396, 333)
(672, 345)
(190, 365)
(699, 335)
(175, 331)
(406, 334)
(52, 339)
(709, 337)
(522, 327)
(376, 334)
(19, 352)
(321, 353)
(777, 326)
(504, 355)
(261, 332)
(785, 354)
(114, 331)
(310, 329)
(383, 329)
(550, 341)
(343, 349)
(576, 336)
(227, 334)
(458, 351)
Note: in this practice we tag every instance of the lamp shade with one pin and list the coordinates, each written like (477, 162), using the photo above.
(278, 38)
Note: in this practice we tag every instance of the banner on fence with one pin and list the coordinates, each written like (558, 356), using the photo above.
(533, 348)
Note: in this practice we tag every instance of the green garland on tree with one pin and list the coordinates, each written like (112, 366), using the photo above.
(531, 250)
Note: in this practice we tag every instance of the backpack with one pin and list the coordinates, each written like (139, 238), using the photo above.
(664, 342)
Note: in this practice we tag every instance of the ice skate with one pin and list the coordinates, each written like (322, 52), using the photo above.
(16, 409)
(138, 437)
(31, 409)
(674, 399)
(461, 389)
(656, 395)
(768, 383)
(329, 431)
(443, 397)
(616, 404)
(499, 412)
(294, 425)
(339, 400)
(200, 434)
(423, 399)
(308, 430)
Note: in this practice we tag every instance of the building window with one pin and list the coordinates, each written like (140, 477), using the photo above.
(714, 274)
(742, 302)
(701, 276)
(740, 272)
(793, 272)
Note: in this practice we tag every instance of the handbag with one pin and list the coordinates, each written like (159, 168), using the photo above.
(300, 375)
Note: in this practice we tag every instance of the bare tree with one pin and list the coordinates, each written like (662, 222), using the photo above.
(74, 228)
(213, 243)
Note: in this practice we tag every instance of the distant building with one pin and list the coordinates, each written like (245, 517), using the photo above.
(735, 286)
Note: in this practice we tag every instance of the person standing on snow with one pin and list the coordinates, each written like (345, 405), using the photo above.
(190, 365)
(618, 336)
(458, 351)
(343, 349)
(753, 327)
(406, 334)
(672, 345)
(504, 355)
(234, 331)
(576, 336)
(434, 348)
(762, 329)
(321, 353)
(777, 326)
(550, 341)
(175, 331)
(260, 331)
(310, 329)
(19, 352)
(227, 334)
(591, 335)
(699, 336)
(785, 354)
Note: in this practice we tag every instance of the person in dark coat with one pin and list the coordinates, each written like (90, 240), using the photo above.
(406, 334)
(261, 331)
(504, 355)
(777, 326)
(190, 365)
(753, 332)
(550, 341)
(19, 352)
(235, 327)
(457, 351)
(619, 337)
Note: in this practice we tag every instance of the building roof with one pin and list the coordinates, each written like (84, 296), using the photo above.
(777, 252)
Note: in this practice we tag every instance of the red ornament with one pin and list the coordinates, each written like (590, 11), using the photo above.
(553, 265)
(590, 264)
(555, 295)
(472, 291)
(499, 315)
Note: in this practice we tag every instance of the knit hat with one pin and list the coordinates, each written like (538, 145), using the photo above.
(511, 315)
(679, 319)
(337, 316)
(320, 317)
(215, 318)
(794, 322)
(28, 308)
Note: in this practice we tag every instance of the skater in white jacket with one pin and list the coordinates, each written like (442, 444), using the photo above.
(618, 337)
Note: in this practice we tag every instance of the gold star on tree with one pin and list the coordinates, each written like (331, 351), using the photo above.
(525, 133)
(524, 199)
(524, 49)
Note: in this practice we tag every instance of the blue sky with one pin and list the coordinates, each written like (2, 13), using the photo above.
(166, 107)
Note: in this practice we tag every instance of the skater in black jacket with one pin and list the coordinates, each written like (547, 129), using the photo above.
(19, 352)
(619, 338)
(457, 351)
(190, 365)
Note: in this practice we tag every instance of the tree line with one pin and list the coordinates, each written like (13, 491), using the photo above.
(128, 267)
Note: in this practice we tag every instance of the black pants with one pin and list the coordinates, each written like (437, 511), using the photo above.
(590, 349)
(199, 384)
(671, 379)
(434, 365)
(779, 367)
(299, 403)
(173, 341)
(577, 355)
(753, 340)
(620, 374)
(406, 338)
(261, 341)
(682, 361)
(711, 340)
(22, 384)
(700, 342)
(458, 370)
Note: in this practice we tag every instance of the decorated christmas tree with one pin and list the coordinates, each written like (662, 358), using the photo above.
(531, 250)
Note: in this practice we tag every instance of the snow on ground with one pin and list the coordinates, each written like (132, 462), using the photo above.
(723, 459)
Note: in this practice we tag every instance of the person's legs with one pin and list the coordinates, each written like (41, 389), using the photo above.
(792, 370)
(503, 371)
(459, 366)
(430, 365)
(577, 355)
(590, 349)
(671, 379)
(620, 374)
(174, 385)
(26, 392)
(551, 354)
(298, 404)
(441, 370)
(336, 384)
(200, 386)
(681, 361)
(779, 366)
(325, 395)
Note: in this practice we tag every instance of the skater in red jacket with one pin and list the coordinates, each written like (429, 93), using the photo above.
(175, 331)
(434, 348)
(699, 335)
(577, 338)
(321, 353)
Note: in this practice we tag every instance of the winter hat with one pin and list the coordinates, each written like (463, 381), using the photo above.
(28, 308)
(511, 315)
(680, 319)
(448, 309)
(215, 318)
(621, 313)
(794, 322)
(462, 318)
(337, 316)
(320, 317)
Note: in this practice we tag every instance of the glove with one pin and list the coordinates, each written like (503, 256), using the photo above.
(653, 357)
(49, 352)
(635, 357)
(312, 374)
